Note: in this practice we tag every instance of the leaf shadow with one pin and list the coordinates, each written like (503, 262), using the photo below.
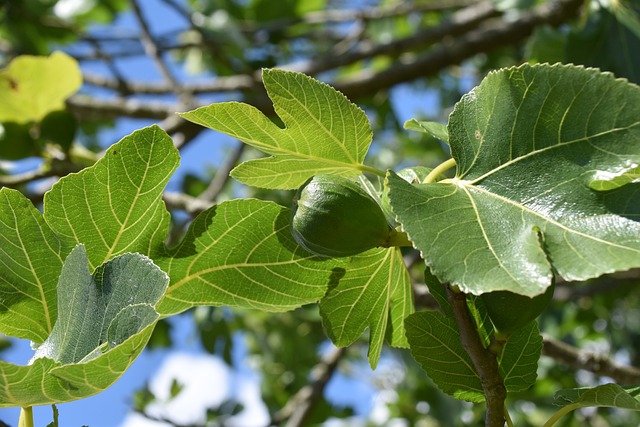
(200, 225)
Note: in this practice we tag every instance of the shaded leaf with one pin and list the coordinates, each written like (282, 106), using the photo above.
(374, 292)
(607, 43)
(435, 344)
(518, 362)
(115, 206)
(606, 395)
(324, 132)
(527, 142)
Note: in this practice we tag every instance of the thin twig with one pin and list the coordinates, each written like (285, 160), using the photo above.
(154, 53)
(221, 178)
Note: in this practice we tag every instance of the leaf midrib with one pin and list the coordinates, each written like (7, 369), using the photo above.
(542, 150)
(466, 186)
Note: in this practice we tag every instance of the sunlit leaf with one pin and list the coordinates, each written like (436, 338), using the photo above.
(324, 132)
(31, 258)
(375, 292)
(104, 321)
(435, 129)
(116, 205)
(241, 253)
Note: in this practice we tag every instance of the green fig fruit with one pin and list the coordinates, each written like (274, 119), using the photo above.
(333, 216)
(509, 312)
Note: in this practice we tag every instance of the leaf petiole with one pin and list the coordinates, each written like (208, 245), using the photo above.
(561, 413)
(26, 417)
(439, 170)
(371, 170)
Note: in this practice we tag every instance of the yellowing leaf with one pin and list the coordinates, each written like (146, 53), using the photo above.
(31, 86)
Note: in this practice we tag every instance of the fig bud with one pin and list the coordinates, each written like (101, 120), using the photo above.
(509, 311)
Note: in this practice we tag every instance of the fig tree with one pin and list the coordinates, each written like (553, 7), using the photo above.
(509, 311)
(333, 216)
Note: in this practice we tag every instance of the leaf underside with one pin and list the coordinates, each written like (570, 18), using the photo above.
(104, 321)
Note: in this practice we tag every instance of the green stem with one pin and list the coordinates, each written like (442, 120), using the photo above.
(439, 170)
(372, 170)
(26, 417)
(397, 238)
(507, 417)
(560, 413)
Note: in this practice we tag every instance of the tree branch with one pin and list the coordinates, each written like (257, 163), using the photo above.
(598, 364)
(300, 405)
(484, 360)
(189, 204)
(496, 33)
(460, 22)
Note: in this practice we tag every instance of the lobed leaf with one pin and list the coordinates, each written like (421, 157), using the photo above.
(528, 142)
(115, 206)
(324, 132)
(374, 292)
(97, 312)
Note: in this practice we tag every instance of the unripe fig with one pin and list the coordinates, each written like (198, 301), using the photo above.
(509, 312)
(333, 216)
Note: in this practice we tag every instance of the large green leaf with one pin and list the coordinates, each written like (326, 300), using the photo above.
(324, 132)
(31, 258)
(528, 142)
(115, 206)
(241, 253)
(435, 344)
(31, 86)
(104, 321)
(376, 286)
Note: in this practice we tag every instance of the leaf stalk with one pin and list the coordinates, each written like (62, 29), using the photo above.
(26, 417)
(439, 170)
